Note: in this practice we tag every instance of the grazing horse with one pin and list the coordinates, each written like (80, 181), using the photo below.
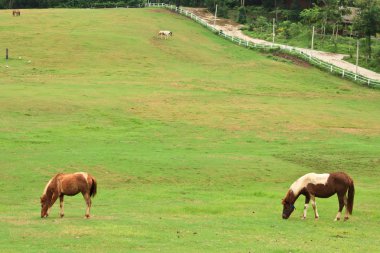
(322, 186)
(67, 184)
(165, 34)
(16, 13)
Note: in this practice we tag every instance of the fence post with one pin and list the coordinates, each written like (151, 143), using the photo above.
(331, 68)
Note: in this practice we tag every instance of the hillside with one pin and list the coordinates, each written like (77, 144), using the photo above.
(194, 141)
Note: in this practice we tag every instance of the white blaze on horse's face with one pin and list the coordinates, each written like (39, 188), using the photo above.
(311, 178)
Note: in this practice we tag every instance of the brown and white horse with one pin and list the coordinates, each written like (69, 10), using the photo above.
(165, 34)
(16, 13)
(322, 186)
(68, 184)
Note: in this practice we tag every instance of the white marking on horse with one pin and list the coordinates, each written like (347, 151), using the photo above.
(314, 205)
(305, 210)
(84, 174)
(310, 178)
(46, 187)
(338, 216)
(165, 33)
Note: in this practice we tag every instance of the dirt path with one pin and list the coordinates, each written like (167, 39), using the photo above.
(231, 28)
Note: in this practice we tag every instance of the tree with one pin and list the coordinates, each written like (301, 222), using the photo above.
(331, 13)
(242, 15)
(367, 23)
(311, 16)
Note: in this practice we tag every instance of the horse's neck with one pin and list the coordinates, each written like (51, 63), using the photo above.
(51, 184)
(299, 184)
(291, 197)
(47, 186)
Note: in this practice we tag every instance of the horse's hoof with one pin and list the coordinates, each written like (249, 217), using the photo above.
(87, 216)
(337, 219)
(62, 215)
(316, 218)
(345, 218)
(303, 218)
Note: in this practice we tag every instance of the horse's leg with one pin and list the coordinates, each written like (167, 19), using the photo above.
(314, 204)
(61, 205)
(307, 200)
(346, 215)
(87, 198)
(341, 205)
(53, 200)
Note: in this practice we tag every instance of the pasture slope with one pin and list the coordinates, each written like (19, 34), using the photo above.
(193, 140)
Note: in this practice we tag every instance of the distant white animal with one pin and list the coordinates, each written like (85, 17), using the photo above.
(165, 34)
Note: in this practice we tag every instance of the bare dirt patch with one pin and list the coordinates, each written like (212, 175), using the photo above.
(297, 61)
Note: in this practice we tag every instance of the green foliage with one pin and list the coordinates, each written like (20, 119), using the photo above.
(367, 22)
(311, 16)
(222, 7)
(295, 29)
(261, 23)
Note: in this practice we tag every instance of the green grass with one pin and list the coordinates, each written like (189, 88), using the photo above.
(194, 141)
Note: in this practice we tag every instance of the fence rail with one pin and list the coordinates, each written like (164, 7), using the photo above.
(286, 49)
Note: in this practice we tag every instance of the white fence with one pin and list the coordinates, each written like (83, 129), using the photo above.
(286, 49)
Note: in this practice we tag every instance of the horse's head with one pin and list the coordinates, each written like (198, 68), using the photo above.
(287, 209)
(288, 203)
(171, 33)
(44, 206)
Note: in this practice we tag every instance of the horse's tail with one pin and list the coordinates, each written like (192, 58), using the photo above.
(351, 193)
(93, 188)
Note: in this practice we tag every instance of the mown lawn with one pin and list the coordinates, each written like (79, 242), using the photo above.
(194, 141)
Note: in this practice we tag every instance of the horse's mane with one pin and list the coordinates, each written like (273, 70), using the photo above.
(52, 183)
(289, 198)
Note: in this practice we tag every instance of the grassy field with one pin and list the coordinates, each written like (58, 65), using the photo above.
(194, 141)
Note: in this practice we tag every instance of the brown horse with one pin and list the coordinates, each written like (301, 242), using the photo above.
(67, 184)
(322, 186)
(16, 13)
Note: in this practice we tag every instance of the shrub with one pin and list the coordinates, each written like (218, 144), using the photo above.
(294, 29)
(261, 23)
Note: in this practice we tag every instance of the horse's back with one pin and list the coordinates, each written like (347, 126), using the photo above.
(164, 32)
(341, 179)
(72, 184)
